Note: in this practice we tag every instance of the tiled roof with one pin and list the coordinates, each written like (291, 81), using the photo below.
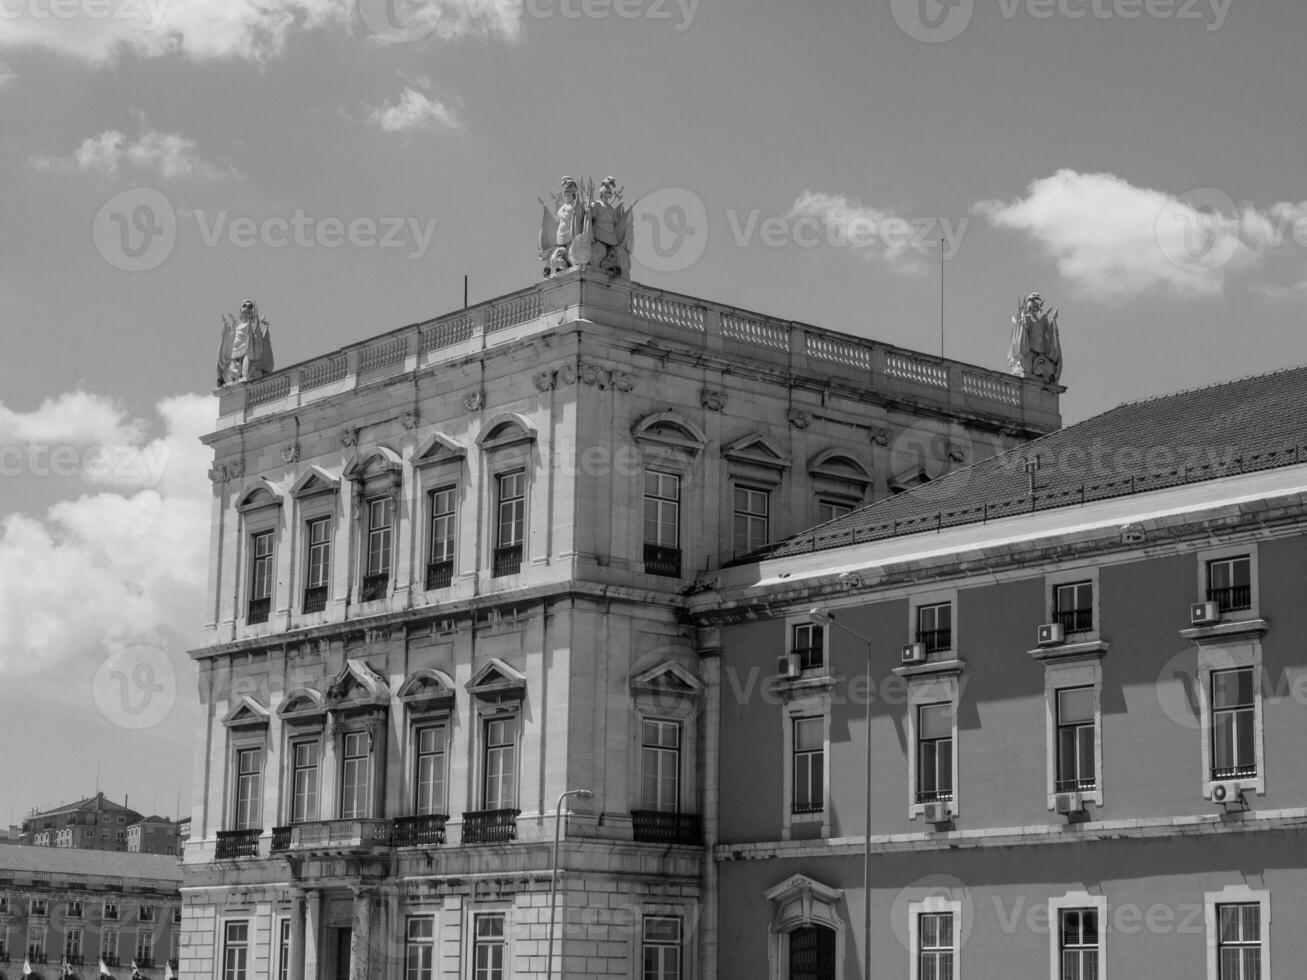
(84, 861)
(1235, 427)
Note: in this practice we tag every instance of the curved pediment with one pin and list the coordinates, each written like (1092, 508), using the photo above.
(302, 702)
(802, 902)
(670, 429)
(357, 685)
(427, 688)
(506, 429)
(258, 494)
(840, 464)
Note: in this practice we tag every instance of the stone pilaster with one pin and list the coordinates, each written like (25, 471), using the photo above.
(298, 908)
(361, 935)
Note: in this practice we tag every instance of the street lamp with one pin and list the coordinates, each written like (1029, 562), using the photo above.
(822, 615)
(580, 794)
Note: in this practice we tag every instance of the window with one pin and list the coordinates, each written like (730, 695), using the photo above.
(662, 523)
(419, 948)
(488, 947)
(74, 910)
(145, 946)
(809, 765)
(1076, 769)
(500, 785)
(935, 946)
(829, 510)
(660, 765)
(510, 525)
(1238, 942)
(1233, 724)
(935, 627)
(37, 906)
(376, 568)
(304, 781)
(4, 904)
(73, 945)
(752, 521)
(109, 944)
(808, 641)
(354, 775)
(429, 779)
(283, 950)
(1073, 607)
(146, 913)
(440, 559)
(235, 951)
(249, 773)
(1229, 583)
(177, 916)
(812, 953)
(36, 943)
(1078, 944)
(261, 572)
(934, 752)
(317, 574)
(111, 910)
(661, 949)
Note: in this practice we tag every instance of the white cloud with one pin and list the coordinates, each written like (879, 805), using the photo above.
(414, 110)
(6, 75)
(254, 30)
(1112, 240)
(817, 218)
(107, 569)
(170, 155)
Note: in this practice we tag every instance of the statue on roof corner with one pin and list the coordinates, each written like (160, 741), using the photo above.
(245, 346)
(586, 230)
(1036, 351)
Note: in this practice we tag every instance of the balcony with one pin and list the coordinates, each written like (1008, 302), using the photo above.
(1248, 771)
(258, 611)
(280, 839)
(144, 962)
(662, 561)
(427, 830)
(934, 795)
(936, 641)
(1085, 785)
(75, 959)
(110, 959)
(374, 586)
(661, 827)
(440, 575)
(490, 826)
(1075, 620)
(358, 834)
(1232, 599)
(36, 956)
(315, 598)
(237, 844)
(507, 560)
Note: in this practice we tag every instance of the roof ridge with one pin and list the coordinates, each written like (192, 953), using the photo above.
(1243, 379)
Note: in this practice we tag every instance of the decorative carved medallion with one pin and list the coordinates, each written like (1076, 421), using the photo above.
(543, 381)
(623, 380)
(408, 420)
(474, 401)
(349, 437)
(290, 453)
(712, 399)
(799, 418)
(567, 375)
(879, 435)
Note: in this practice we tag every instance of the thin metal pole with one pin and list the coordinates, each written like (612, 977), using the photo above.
(941, 297)
(866, 842)
(585, 794)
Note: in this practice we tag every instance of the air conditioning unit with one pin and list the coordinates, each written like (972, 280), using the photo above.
(936, 813)
(1227, 794)
(1050, 635)
(788, 666)
(1202, 613)
(914, 653)
(1068, 803)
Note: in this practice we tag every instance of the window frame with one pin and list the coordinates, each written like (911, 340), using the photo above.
(237, 946)
(485, 721)
(661, 751)
(449, 540)
(936, 598)
(1236, 711)
(1079, 575)
(674, 503)
(1073, 901)
(1202, 571)
(814, 631)
(440, 721)
(655, 945)
(238, 751)
(368, 569)
(934, 905)
(294, 742)
(923, 744)
(311, 548)
(475, 943)
(257, 561)
(425, 970)
(926, 690)
(751, 517)
(1231, 653)
(520, 471)
(366, 763)
(1237, 895)
(812, 705)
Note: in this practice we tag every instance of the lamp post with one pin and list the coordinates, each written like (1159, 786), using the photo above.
(580, 794)
(822, 615)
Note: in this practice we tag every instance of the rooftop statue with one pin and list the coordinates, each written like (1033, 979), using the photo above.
(585, 229)
(1036, 351)
(245, 347)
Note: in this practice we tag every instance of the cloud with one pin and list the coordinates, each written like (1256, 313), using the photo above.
(414, 110)
(834, 220)
(6, 75)
(1113, 241)
(170, 155)
(112, 567)
(252, 30)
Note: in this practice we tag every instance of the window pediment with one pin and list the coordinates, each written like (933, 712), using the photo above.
(758, 450)
(840, 465)
(667, 678)
(375, 464)
(427, 690)
(802, 901)
(506, 430)
(246, 713)
(497, 682)
(357, 686)
(670, 429)
(259, 494)
(439, 449)
(302, 704)
(315, 480)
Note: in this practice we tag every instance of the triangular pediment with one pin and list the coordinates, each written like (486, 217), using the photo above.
(314, 480)
(357, 684)
(438, 448)
(245, 711)
(668, 677)
(758, 449)
(496, 676)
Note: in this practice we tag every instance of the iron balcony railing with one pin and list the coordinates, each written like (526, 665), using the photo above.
(75, 959)
(280, 839)
(662, 561)
(1075, 620)
(440, 574)
(490, 826)
(662, 827)
(1235, 772)
(315, 598)
(374, 586)
(353, 833)
(808, 806)
(934, 795)
(507, 560)
(35, 956)
(144, 962)
(1232, 599)
(1087, 784)
(237, 844)
(258, 611)
(422, 830)
(935, 641)
(810, 658)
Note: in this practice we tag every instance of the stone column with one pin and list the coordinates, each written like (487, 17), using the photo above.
(361, 934)
(312, 934)
(297, 912)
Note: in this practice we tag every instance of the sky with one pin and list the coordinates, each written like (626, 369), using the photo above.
(347, 162)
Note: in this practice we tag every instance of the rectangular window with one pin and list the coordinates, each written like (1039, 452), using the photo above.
(935, 627)
(317, 576)
(261, 572)
(376, 568)
(935, 942)
(304, 781)
(510, 526)
(249, 781)
(662, 523)
(419, 948)
(177, 915)
(4, 904)
(283, 950)
(661, 949)
(111, 910)
(354, 775)
(752, 527)
(1078, 944)
(144, 946)
(1230, 584)
(235, 951)
(829, 510)
(934, 752)
(808, 641)
(500, 791)
(429, 779)
(660, 765)
(1073, 607)
(809, 765)
(109, 944)
(1234, 750)
(1239, 942)
(440, 559)
(73, 945)
(1075, 740)
(74, 910)
(37, 906)
(145, 913)
(488, 947)
(36, 943)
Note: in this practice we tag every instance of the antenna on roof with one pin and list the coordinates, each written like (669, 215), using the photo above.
(465, 292)
(941, 296)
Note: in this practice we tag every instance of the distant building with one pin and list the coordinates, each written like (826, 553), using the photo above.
(152, 835)
(76, 905)
(183, 834)
(96, 823)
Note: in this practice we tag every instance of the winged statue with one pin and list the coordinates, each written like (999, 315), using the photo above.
(585, 229)
(1036, 350)
(245, 346)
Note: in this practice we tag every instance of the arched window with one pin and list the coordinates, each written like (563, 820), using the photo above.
(807, 932)
(812, 953)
